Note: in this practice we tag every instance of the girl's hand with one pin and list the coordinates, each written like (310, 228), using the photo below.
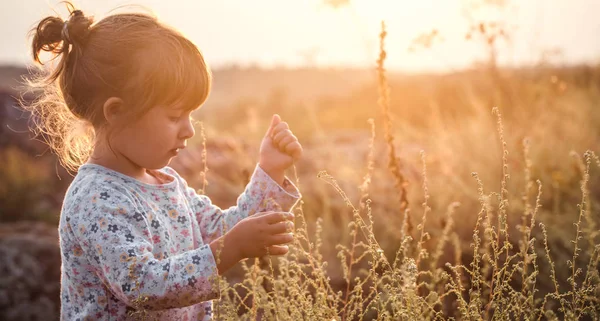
(279, 149)
(255, 236)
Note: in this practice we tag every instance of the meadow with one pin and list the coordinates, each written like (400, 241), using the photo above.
(464, 196)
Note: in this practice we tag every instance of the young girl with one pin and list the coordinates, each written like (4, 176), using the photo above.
(133, 235)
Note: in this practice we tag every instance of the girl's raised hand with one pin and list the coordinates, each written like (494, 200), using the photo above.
(279, 148)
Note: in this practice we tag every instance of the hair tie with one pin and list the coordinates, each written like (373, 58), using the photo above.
(65, 32)
(65, 29)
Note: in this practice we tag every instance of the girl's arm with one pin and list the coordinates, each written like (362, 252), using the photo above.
(261, 194)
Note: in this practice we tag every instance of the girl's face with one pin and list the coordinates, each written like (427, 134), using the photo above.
(153, 140)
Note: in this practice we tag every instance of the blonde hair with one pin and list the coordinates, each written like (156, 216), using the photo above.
(128, 55)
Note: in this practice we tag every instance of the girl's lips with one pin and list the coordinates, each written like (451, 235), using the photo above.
(176, 150)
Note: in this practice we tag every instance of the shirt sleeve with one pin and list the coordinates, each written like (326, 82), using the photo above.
(116, 242)
(260, 195)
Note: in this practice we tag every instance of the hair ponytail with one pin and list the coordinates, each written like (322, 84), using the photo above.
(60, 37)
(63, 128)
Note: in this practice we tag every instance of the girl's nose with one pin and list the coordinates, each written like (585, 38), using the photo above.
(187, 131)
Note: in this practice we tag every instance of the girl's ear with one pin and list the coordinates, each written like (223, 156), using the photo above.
(113, 108)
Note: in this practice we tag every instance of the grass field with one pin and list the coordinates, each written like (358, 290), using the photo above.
(467, 196)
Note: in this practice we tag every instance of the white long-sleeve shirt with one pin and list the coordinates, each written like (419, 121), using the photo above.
(130, 248)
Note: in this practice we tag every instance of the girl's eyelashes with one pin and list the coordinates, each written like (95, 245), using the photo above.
(176, 118)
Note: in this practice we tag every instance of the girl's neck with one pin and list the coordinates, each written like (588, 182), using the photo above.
(118, 162)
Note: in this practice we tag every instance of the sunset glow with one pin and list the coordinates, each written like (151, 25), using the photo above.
(305, 33)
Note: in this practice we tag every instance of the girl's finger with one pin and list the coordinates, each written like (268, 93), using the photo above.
(278, 128)
(278, 249)
(294, 149)
(259, 214)
(285, 141)
(280, 135)
(278, 239)
(276, 217)
(281, 227)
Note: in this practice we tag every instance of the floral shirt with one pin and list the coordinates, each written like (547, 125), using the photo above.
(132, 250)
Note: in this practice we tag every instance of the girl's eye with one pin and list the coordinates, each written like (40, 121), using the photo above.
(174, 118)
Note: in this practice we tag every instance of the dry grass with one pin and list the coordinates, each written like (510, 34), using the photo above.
(388, 270)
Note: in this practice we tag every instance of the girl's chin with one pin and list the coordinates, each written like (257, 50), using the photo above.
(166, 160)
(158, 165)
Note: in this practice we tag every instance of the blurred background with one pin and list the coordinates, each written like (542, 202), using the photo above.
(449, 62)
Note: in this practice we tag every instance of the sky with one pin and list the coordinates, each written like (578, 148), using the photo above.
(292, 33)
